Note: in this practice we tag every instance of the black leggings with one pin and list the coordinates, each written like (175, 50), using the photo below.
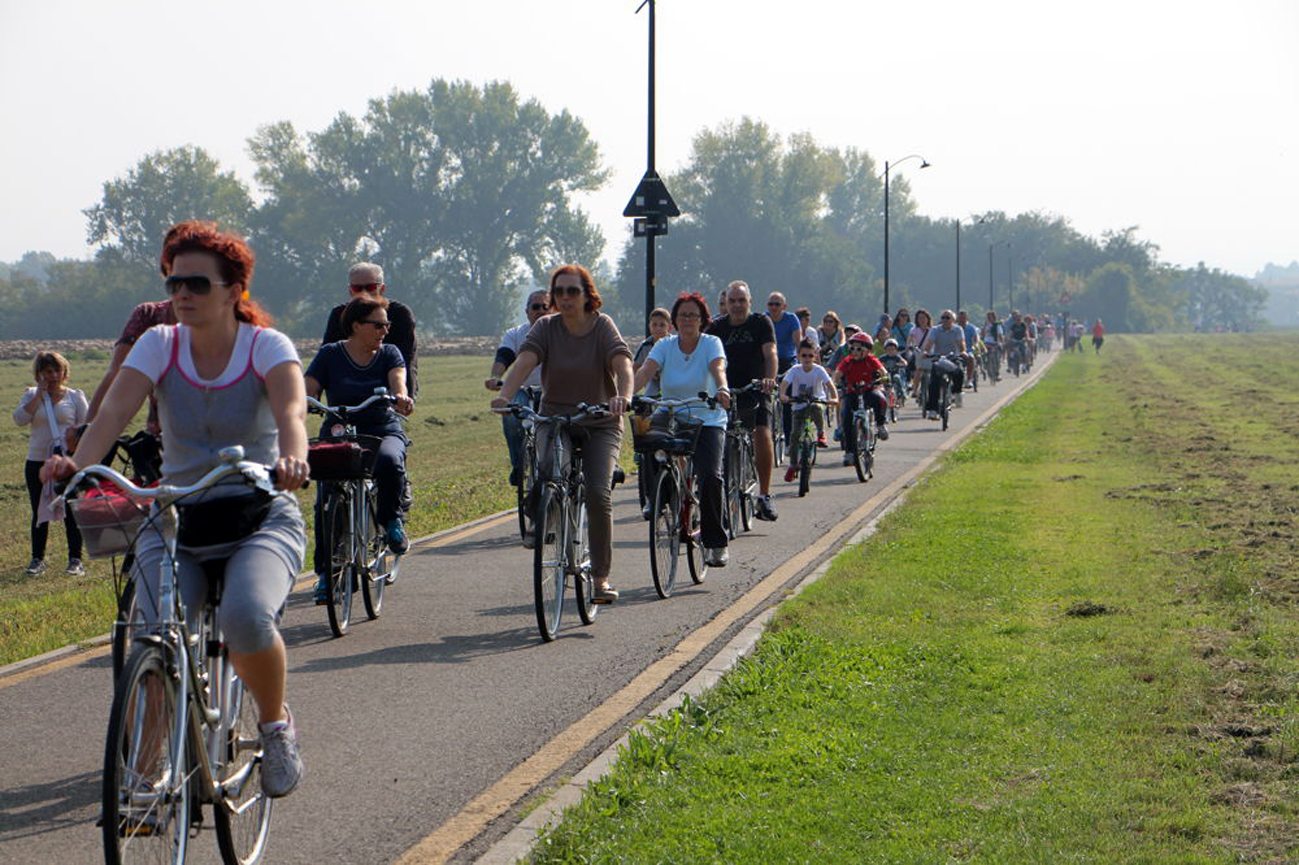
(41, 533)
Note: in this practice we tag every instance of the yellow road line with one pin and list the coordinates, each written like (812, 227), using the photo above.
(63, 663)
(438, 846)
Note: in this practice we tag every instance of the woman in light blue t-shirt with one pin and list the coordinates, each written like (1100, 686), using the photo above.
(690, 362)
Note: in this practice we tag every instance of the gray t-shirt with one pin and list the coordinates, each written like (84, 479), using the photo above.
(944, 340)
(576, 369)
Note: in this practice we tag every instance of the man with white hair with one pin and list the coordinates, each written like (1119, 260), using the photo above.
(366, 278)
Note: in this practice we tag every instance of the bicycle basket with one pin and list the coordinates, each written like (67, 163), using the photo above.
(109, 520)
(343, 460)
(683, 442)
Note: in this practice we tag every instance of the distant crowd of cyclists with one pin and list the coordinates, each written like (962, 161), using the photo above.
(216, 374)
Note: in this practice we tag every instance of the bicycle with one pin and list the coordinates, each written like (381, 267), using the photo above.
(804, 445)
(562, 547)
(182, 731)
(741, 472)
(674, 515)
(354, 540)
(944, 386)
(1015, 357)
(863, 432)
(991, 360)
(527, 468)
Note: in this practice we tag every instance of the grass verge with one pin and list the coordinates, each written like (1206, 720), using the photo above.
(1075, 642)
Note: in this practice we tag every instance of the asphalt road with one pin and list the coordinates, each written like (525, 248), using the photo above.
(408, 718)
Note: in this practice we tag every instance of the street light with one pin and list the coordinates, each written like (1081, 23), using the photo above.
(924, 163)
(990, 249)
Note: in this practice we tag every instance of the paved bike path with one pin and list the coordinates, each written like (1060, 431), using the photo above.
(405, 720)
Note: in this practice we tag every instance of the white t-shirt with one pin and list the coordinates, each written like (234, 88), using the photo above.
(809, 383)
(69, 411)
(812, 336)
(513, 340)
(151, 354)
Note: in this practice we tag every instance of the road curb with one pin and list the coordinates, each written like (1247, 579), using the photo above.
(518, 842)
(31, 666)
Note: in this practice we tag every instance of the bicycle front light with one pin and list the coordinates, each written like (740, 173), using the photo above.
(660, 456)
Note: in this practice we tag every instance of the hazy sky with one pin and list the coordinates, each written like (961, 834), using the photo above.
(1175, 115)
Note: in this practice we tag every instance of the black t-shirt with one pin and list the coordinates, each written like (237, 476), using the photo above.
(1019, 329)
(347, 383)
(745, 357)
(401, 334)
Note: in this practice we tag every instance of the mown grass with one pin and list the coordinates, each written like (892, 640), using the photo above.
(1075, 642)
(457, 463)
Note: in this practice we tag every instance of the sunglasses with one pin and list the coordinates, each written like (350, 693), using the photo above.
(197, 285)
(536, 307)
(377, 325)
(568, 290)
(369, 286)
(774, 303)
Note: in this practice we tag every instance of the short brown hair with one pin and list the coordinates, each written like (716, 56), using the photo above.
(593, 301)
(359, 308)
(49, 360)
(688, 297)
(660, 312)
(802, 312)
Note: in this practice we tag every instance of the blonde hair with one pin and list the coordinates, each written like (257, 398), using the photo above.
(49, 360)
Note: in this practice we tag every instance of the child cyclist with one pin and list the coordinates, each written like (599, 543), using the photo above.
(896, 366)
(807, 379)
(861, 369)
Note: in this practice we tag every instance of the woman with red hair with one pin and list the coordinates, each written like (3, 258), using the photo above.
(222, 377)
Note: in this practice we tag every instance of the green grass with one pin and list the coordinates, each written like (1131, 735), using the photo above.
(457, 463)
(1075, 642)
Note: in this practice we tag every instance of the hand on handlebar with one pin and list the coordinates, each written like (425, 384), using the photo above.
(493, 383)
(291, 473)
(501, 405)
(768, 385)
(403, 405)
(618, 405)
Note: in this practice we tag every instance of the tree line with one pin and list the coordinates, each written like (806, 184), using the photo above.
(465, 195)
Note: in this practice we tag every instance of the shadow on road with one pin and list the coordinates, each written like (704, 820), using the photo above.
(48, 807)
(450, 649)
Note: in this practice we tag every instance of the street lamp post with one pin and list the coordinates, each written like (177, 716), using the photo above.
(924, 163)
(1010, 282)
(958, 265)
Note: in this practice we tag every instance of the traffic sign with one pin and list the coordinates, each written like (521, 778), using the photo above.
(651, 198)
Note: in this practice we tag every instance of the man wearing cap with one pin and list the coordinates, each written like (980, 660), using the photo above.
(366, 278)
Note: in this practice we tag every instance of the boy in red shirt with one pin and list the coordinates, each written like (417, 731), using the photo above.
(857, 376)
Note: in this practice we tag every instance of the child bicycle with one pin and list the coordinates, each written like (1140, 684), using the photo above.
(182, 730)
(860, 432)
(803, 448)
(356, 550)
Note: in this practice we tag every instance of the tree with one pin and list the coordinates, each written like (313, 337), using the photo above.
(165, 187)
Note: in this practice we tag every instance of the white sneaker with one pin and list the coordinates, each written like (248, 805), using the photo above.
(281, 762)
(716, 557)
(75, 568)
(958, 402)
(36, 566)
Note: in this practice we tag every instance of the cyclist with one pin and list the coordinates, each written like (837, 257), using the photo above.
(860, 369)
(896, 365)
(902, 326)
(222, 378)
(349, 371)
(750, 342)
(994, 336)
(916, 337)
(810, 333)
(535, 307)
(686, 365)
(808, 379)
(972, 344)
(366, 278)
(143, 317)
(945, 341)
(1031, 336)
(849, 330)
(1019, 336)
(660, 327)
(583, 359)
(789, 333)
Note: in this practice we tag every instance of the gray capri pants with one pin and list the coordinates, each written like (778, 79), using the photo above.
(258, 576)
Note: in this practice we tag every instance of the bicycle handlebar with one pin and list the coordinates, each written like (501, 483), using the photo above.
(583, 410)
(340, 412)
(257, 475)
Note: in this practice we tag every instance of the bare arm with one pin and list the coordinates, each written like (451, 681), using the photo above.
(718, 369)
(397, 387)
(313, 388)
(518, 374)
(769, 366)
(288, 399)
(622, 375)
(644, 375)
(127, 393)
(120, 351)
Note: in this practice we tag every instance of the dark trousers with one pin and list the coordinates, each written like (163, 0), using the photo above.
(41, 533)
(710, 486)
(944, 368)
(389, 485)
(878, 402)
(786, 412)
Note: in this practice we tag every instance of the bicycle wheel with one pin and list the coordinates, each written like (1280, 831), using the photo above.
(548, 565)
(583, 582)
(863, 460)
(145, 796)
(243, 815)
(342, 564)
(126, 613)
(734, 518)
(748, 476)
(945, 402)
(804, 471)
(694, 539)
(527, 480)
(665, 533)
(376, 560)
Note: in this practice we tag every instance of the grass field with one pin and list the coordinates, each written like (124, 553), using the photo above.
(457, 463)
(1076, 642)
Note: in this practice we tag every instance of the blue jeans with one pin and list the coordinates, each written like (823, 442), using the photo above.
(513, 428)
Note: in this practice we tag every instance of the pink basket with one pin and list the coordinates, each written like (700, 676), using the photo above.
(109, 520)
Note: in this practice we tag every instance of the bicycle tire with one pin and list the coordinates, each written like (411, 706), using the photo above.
(548, 566)
(527, 481)
(374, 570)
(734, 490)
(121, 624)
(665, 534)
(945, 402)
(583, 582)
(804, 474)
(862, 459)
(243, 815)
(694, 541)
(342, 565)
(139, 825)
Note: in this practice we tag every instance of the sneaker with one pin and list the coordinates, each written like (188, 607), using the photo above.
(529, 539)
(514, 477)
(37, 566)
(847, 458)
(605, 594)
(281, 762)
(881, 433)
(716, 557)
(647, 512)
(820, 441)
(75, 568)
(958, 402)
(397, 537)
(322, 590)
(838, 434)
(763, 510)
(789, 473)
